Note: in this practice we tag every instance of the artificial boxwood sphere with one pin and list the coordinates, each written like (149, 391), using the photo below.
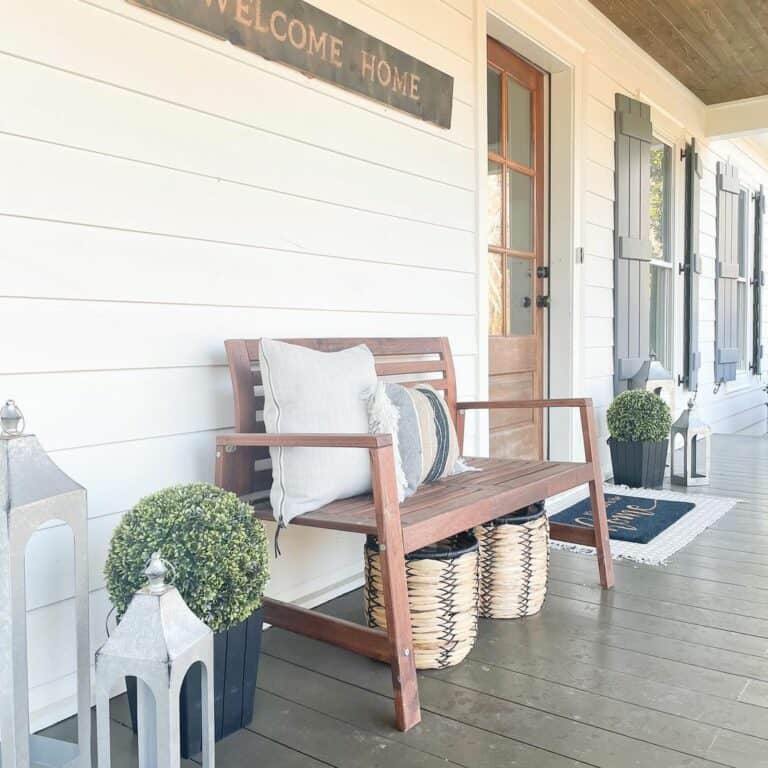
(216, 546)
(640, 416)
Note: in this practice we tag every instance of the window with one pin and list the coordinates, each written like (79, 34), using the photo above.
(742, 282)
(660, 235)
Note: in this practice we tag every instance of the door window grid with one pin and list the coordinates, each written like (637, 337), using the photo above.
(511, 228)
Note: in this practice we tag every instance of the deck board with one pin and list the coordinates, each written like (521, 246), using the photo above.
(668, 669)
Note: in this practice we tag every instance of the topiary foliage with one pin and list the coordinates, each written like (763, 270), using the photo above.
(213, 541)
(639, 415)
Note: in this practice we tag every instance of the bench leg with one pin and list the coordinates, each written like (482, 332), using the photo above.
(602, 541)
(390, 534)
(597, 498)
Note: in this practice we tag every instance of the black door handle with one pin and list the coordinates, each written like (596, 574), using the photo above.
(526, 301)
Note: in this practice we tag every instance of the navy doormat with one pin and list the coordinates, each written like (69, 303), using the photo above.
(630, 518)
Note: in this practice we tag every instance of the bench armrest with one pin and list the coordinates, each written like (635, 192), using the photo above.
(234, 468)
(586, 413)
(303, 440)
(579, 402)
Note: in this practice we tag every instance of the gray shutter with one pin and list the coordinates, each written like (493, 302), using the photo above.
(758, 280)
(726, 294)
(632, 247)
(692, 267)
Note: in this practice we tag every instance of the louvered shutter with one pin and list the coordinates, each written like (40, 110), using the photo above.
(632, 247)
(692, 267)
(758, 280)
(726, 294)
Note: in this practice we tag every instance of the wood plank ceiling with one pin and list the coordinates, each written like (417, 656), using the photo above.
(718, 48)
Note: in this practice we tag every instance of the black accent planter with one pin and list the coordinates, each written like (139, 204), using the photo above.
(235, 668)
(638, 465)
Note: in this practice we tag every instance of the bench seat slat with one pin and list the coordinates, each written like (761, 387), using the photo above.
(500, 487)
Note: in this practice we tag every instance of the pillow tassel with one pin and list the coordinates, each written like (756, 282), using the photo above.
(383, 419)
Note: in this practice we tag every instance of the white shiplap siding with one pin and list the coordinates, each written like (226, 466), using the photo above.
(163, 191)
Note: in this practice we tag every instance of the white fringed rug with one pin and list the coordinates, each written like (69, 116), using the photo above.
(708, 510)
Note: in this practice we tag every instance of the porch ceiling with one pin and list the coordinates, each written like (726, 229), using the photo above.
(718, 48)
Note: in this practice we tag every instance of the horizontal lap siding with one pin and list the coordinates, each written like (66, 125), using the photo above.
(598, 246)
(164, 191)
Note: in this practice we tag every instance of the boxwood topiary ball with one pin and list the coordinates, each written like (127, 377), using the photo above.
(639, 415)
(213, 541)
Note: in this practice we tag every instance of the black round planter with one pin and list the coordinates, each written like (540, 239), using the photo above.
(235, 668)
(638, 465)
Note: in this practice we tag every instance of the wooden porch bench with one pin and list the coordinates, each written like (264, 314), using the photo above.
(436, 511)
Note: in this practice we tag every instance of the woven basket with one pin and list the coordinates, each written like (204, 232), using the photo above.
(514, 563)
(442, 593)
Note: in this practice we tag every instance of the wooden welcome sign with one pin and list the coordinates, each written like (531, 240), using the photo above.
(304, 37)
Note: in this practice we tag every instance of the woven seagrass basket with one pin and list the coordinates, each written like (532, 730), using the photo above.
(442, 593)
(514, 563)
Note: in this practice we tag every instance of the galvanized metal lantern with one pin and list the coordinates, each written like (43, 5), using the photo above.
(157, 641)
(33, 491)
(662, 383)
(696, 445)
(655, 378)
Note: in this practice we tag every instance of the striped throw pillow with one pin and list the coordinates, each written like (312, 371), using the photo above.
(424, 437)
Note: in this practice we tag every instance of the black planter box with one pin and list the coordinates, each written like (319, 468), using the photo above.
(235, 668)
(638, 465)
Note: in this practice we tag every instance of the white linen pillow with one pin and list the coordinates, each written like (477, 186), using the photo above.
(310, 391)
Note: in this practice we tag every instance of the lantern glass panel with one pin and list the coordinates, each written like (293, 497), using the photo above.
(677, 453)
(699, 456)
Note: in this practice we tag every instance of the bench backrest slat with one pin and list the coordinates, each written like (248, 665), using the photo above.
(408, 361)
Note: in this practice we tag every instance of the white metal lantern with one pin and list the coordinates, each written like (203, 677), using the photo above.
(33, 491)
(696, 449)
(157, 641)
(655, 378)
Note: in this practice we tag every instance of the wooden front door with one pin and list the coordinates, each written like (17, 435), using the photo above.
(516, 282)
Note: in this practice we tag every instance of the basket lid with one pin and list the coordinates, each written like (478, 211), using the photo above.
(445, 549)
(522, 515)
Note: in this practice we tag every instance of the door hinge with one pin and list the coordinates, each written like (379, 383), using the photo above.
(542, 272)
(542, 301)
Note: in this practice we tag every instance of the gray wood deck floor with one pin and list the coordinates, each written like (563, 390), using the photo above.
(668, 669)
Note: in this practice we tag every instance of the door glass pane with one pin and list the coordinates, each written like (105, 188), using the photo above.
(494, 111)
(495, 296)
(494, 203)
(518, 123)
(520, 202)
(520, 295)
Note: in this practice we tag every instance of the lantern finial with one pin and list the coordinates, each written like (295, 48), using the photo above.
(11, 419)
(156, 572)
